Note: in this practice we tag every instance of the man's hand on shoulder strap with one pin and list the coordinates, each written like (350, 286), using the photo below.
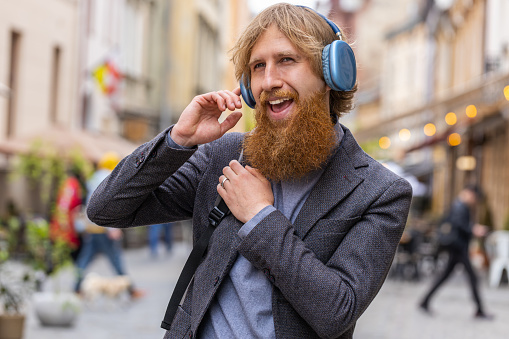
(244, 190)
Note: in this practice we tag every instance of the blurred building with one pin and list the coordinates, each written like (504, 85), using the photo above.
(121, 49)
(199, 37)
(442, 111)
(146, 60)
(365, 24)
(37, 64)
(38, 75)
(105, 75)
(240, 16)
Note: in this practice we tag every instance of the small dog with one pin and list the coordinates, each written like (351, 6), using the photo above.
(113, 289)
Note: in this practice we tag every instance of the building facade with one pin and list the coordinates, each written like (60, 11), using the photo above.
(38, 75)
(200, 35)
(444, 101)
(98, 73)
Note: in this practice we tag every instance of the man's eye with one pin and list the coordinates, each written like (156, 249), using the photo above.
(286, 59)
(259, 65)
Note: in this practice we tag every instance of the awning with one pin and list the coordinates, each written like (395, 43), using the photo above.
(64, 141)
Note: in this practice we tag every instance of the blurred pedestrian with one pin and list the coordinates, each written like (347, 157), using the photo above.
(154, 235)
(67, 206)
(97, 239)
(455, 233)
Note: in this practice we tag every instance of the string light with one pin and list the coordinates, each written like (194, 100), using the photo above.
(451, 119)
(471, 111)
(404, 134)
(384, 142)
(430, 129)
(454, 139)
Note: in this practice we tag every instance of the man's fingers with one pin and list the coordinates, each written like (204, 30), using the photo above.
(229, 173)
(256, 173)
(236, 166)
(219, 100)
(227, 100)
(233, 100)
(230, 121)
(221, 191)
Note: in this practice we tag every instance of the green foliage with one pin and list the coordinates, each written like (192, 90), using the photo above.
(16, 280)
(46, 254)
(45, 169)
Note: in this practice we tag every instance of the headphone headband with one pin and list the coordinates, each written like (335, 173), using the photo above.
(332, 25)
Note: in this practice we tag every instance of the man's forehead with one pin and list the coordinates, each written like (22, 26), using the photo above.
(277, 41)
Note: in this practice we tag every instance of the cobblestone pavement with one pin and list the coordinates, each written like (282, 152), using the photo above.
(392, 315)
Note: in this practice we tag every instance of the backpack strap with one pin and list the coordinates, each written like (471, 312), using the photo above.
(218, 213)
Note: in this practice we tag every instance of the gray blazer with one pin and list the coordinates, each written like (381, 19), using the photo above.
(326, 268)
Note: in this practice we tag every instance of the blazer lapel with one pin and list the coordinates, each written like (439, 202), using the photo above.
(337, 181)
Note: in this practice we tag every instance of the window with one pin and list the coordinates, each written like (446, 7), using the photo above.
(14, 58)
(53, 95)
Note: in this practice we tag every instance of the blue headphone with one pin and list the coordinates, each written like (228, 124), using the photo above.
(338, 66)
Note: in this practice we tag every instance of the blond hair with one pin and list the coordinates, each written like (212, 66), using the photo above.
(309, 32)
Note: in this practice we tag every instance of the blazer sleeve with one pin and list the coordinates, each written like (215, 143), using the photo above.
(154, 184)
(331, 296)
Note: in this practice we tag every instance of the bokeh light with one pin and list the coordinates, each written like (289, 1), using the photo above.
(451, 119)
(506, 92)
(405, 134)
(471, 111)
(466, 163)
(454, 139)
(384, 142)
(430, 129)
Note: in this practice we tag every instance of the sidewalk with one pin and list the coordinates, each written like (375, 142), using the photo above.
(392, 315)
(140, 319)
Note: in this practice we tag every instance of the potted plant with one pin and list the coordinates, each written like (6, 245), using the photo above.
(49, 257)
(16, 283)
(45, 170)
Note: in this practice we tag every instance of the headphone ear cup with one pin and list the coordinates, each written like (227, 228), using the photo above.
(339, 66)
(247, 95)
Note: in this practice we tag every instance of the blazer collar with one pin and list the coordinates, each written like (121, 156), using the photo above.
(337, 181)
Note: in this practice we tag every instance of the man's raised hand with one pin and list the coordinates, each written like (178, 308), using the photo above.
(199, 124)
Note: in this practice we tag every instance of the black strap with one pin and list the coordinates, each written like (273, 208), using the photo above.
(217, 214)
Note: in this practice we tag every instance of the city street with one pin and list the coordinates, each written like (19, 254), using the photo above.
(392, 315)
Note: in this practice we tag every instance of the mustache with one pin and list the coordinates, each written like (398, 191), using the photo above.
(280, 93)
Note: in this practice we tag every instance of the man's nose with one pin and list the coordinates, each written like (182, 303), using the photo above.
(272, 78)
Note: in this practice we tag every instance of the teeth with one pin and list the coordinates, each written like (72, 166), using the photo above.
(278, 101)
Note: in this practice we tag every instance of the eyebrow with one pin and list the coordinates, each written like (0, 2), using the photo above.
(281, 54)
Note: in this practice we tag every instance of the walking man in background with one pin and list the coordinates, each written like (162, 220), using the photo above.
(314, 220)
(460, 229)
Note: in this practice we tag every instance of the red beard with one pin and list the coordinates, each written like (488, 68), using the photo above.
(295, 146)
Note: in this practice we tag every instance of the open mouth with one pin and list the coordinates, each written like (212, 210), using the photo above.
(279, 107)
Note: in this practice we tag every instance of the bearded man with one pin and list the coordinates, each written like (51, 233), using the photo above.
(314, 220)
